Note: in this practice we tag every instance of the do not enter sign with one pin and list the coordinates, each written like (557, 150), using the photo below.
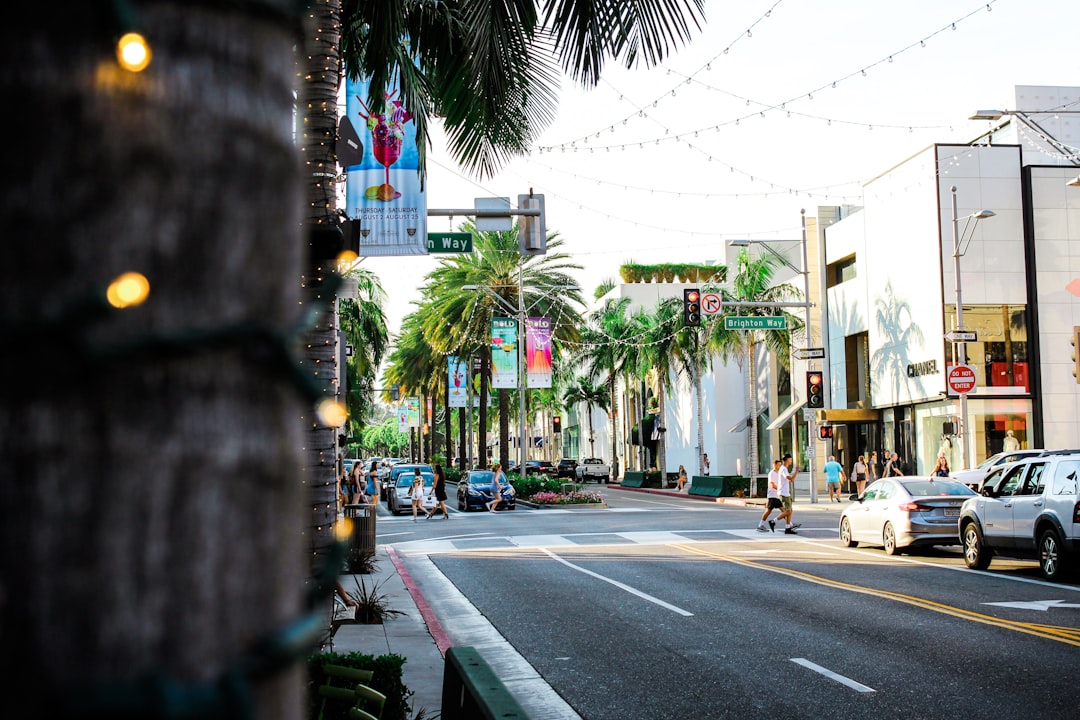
(961, 379)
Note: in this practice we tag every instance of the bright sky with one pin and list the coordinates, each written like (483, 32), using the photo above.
(768, 111)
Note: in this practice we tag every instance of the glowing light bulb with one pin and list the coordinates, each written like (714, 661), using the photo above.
(133, 52)
(128, 290)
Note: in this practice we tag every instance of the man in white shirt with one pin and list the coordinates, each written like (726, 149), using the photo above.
(772, 495)
(786, 496)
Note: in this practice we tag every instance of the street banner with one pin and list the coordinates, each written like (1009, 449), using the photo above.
(412, 404)
(382, 187)
(504, 365)
(538, 352)
(455, 380)
(403, 418)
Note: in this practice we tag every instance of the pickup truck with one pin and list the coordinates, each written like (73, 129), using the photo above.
(592, 469)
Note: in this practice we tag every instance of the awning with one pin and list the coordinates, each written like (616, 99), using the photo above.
(786, 415)
(745, 422)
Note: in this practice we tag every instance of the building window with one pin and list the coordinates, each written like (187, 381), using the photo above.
(840, 271)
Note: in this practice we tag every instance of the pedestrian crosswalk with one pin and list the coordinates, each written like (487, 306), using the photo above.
(473, 541)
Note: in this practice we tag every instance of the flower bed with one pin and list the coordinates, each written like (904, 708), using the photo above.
(577, 497)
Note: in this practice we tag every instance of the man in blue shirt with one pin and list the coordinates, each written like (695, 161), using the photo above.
(834, 473)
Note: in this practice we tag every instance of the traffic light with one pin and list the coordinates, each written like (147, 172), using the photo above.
(1076, 352)
(556, 424)
(825, 432)
(691, 300)
(395, 392)
(815, 389)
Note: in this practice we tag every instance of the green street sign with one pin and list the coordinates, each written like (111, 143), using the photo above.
(742, 322)
(450, 242)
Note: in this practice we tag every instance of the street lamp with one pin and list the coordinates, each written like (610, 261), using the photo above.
(805, 272)
(960, 347)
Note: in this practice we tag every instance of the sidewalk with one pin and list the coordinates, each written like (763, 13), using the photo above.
(416, 635)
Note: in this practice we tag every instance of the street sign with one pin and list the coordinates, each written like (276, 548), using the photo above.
(809, 353)
(960, 379)
(449, 242)
(961, 336)
(710, 303)
(755, 322)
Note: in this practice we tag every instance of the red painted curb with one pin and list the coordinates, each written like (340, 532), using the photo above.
(442, 640)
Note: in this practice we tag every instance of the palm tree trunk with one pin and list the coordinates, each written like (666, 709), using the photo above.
(504, 429)
(661, 444)
(613, 415)
(152, 493)
(699, 398)
(481, 434)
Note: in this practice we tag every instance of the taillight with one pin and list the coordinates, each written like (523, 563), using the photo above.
(913, 507)
(1076, 514)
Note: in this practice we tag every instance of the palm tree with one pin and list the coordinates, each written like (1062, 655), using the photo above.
(584, 390)
(491, 70)
(660, 344)
(603, 353)
(364, 325)
(753, 284)
(457, 319)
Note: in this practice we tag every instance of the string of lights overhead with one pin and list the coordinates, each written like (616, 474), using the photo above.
(763, 107)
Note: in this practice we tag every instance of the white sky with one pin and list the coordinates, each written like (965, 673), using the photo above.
(681, 200)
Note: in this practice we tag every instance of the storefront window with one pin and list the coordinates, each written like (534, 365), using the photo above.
(989, 421)
(999, 356)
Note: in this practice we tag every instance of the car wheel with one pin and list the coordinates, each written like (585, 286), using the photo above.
(888, 539)
(976, 555)
(845, 533)
(1050, 557)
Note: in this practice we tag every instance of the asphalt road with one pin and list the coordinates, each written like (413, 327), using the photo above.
(665, 607)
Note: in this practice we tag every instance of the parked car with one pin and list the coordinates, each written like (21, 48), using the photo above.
(566, 468)
(906, 511)
(542, 467)
(385, 465)
(974, 477)
(592, 469)
(1032, 511)
(401, 479)
(474, 492)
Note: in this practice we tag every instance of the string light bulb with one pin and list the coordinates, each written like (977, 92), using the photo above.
(133, 52)
(331, 413)
(128, 290)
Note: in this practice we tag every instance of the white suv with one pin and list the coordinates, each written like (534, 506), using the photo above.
(1031, 511)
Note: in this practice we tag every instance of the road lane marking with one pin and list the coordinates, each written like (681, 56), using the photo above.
(1043, 605)
(857, 686)
(621, 586)
(1069, 636)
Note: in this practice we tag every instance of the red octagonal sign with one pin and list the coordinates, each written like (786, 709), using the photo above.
(961, 379)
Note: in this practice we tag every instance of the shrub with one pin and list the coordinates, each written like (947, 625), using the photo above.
(531, 484)
(386, 679)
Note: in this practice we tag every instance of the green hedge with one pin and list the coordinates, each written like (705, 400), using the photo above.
(386, 679)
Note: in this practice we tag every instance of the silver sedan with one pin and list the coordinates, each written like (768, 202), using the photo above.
(902, 512)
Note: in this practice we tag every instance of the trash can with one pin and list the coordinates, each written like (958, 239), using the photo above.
(362, 535)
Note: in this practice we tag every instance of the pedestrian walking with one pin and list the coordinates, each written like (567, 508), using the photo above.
(439, 488)
(681, 482)
(787, 494)
(416, 493)
(941, 469)
(873, 468)
(858, 470)
(705, 463)
(372, 476)
(893, 467)
(496, 487)
(834, 475)
(772, 498)
(354, 484)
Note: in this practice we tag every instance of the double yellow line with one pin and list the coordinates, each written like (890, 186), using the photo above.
(1067, 635)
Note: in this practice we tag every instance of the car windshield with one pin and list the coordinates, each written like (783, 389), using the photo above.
(483, 478)
(405, 479)
(930, 488)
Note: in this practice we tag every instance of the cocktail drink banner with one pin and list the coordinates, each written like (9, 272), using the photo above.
(457, 381)
(382, 191)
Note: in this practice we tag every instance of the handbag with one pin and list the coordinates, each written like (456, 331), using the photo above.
(429, 502)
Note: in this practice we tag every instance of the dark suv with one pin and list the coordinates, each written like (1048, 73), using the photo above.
(566, 468)
(540, 467)
(1031, 510)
